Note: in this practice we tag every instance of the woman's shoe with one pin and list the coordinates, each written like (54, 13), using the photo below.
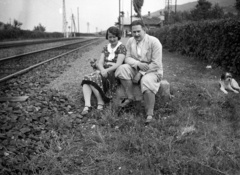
(86, 110)
(149, 119)
(100, 107)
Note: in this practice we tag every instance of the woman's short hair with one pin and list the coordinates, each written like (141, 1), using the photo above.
(115, 31)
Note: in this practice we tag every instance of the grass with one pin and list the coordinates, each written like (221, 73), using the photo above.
(197, 132)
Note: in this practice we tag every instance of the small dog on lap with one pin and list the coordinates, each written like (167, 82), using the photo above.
(228, 83)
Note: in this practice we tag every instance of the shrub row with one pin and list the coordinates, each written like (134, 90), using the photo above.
(15, 34)
(214, 41)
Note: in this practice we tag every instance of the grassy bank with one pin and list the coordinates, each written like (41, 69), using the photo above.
(197, 132)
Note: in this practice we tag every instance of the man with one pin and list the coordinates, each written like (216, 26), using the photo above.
(143, 60)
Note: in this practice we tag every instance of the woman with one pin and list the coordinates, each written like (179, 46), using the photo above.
(102, 82)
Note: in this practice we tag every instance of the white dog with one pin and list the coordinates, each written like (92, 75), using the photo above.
(228, 83)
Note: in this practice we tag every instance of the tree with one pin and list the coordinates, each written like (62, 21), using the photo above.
(201, 11)
(137, 4)
(237, 5)
(173, 17)
(39, 28)
(216, 12)
(16, 24)
(8, 27)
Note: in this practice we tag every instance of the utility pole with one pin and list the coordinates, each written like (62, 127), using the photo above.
(88, 31)
(175, 6)
(168, 6)
(64, 20)
(78, 19)
(74, 26)
(131, 15)
(119, 15)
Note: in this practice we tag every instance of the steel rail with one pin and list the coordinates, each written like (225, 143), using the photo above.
(43, 62)
(9, 44)
(42, 50)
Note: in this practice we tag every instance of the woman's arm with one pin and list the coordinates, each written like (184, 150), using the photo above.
(120, 60)
(101, 62)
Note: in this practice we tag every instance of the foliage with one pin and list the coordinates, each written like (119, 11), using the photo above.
(216, 12)
(202, 10)
(214, 41)
(16, 34)
(137, 4)
(46, 135)
(39, 28)
(17, 24)
(237, 5)
(177, 17)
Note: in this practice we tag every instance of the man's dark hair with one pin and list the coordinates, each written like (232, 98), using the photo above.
(115, 31)
(137, 22)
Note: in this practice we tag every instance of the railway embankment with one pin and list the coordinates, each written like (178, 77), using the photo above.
(197, 132)
(69, 83)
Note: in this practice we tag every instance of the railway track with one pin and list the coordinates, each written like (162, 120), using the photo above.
(31, 42)
(16, 65)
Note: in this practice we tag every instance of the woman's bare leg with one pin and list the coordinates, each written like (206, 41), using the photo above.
(98, 96)
(87, 92)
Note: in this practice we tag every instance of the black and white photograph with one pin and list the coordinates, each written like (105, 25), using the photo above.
(119, 87)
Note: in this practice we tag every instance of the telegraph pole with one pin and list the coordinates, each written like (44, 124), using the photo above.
(88, 27)
(131, 15)
(175, 6)
(168, 5)
(119, 15)
(64, 20)
(74, 26)
(168, 8)
(78, 19)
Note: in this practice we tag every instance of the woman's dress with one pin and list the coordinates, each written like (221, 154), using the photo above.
(106, 85)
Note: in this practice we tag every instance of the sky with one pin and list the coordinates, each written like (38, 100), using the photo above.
(93, 16)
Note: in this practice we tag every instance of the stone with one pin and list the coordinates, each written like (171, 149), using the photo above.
(14, 99)
(163, 93)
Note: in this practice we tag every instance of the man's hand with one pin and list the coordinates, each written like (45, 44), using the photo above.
(143, 66)
(159, 77)
(104, 73)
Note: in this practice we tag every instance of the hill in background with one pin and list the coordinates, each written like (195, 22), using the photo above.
(227, 5)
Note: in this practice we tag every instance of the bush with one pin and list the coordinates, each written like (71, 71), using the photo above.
(17, 34)
(214, 41)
